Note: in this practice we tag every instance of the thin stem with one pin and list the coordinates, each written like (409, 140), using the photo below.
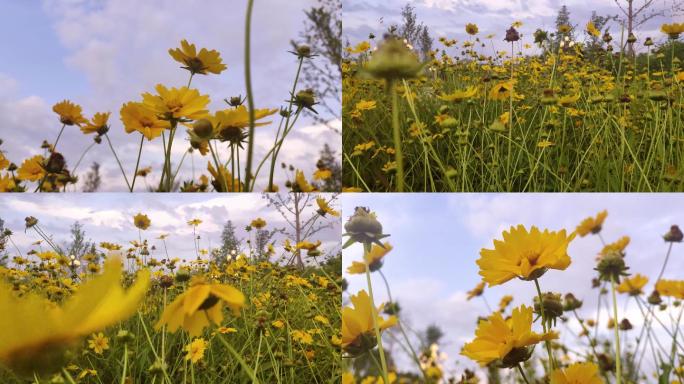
(667, 257)
(73, 171)
(618, 363)
(378, 337)
(117, 160)
(522, 373)
(552, 363)
(68, 376)
(54, 146)
(250, 95)
(137, 163)
(125, 364)
(399, 157)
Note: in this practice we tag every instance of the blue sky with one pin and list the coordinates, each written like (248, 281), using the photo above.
(449, 17)
(108, 217)
(437, 239)
(102, 53)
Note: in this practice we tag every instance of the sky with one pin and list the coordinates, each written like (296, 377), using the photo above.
(437, 239)
(448, 17)
(109, 217)
(102, 53)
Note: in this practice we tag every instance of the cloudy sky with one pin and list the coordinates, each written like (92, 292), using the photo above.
(437, 239)
(448, 17)
(102, 53)
(109, 217)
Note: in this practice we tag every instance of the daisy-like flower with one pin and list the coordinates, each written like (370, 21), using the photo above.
(324, 208)
(32, 169)
(7, 183)
(223, 174)
(176, 103)
(477, 291)
(505, 340)
(258, 223)
(194, 351)
(229, 125)
(524, 254)
(194, 222)
(591, 29)
(584, 373)
(618, 246)
(33, 335)
(199, 305)
(141, 221)
(69, 113)
(633, 285)
(365, 105)
(671, 288)
(98, 124)
(136, 117)
(98, 343)
(502, 91)
(673, 30)
(459, 95)
(372, 259)
(591, 224)
(4, 163)
(301, 184)
(471, 29)
(202, 62)
(358, 332)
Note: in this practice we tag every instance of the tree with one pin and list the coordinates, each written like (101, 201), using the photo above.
(563, 20)
(329, 161)
(433, 334)
(637, 14)
(416, 33)
(595, 43)
(79, 246)
(92, 179)
(4, 238)
(425, 42)
(323, 33)
(229, 241)
(261, 240)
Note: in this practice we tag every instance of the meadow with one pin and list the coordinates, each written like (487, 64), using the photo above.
(138, 312)
(552, 113)
(633, 334)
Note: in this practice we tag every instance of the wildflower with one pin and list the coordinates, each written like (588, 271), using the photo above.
(98, 343)
(7, 183)
(365, 105)
(322, 174)
(278, 324)
(505, 302)
(305, 99)
(198, 305)
(618, 246)
(258, 223)
(393, 60)
(194, 222)
(364, 227)
(228, 125)
(571, 303)
(585, 373)
(141, 221)
(671, 288)
(512, 35)
(505, 341)
(591, 224)
(136, 117)
(358, 332)
(324, 208)
(459, 95)
(611, 266)
(302, 337)
(69, 113)
(32, 169)
(97, 125)
(35, 335)
(523, 254)
(633, 285)
(675, 234)
(672, 30)
(372, 259)
(502, 91)
(195, 350)
(301, 185)
(553, 307)
(202, 62)
(477, 291)
(176, 103)
(471, 29)
(591, 29)
(568, 101)
(361, 47)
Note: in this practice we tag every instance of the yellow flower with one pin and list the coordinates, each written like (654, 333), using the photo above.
(496, 338)
(633, 285)
(477, 291)
(502, 91)
(591, 28)
(671, 288)
(591, 224)
(365, 105)
(98, 343)
(348, 378)
(69, 113)
(226, 330)
(523, 254)
(34, 333)
(672, 30)
(177, 103)
(228, 125)
(141, 221)
(505, 302)
(32, 169)
(358, 332)
(202, 62)
(471, 29)
(322, 174)
(618, 246)
(278, 324)
(459, 95)
(136, 117)
(302, 337)
(97, 124)
(578, 373)
(4, 163)
(198, 305)
(301, 185)
(194, 222)
(372, 259)
(361, 47)
(7, 183)
(568, 101)
(351, 190)
(324, 208)
(224, 174)
(258, 223)
(195, 350)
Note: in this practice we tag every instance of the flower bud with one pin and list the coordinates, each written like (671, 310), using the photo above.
(363, 227)
(393, 60)
(611, 267)
(675, 235)
(203, 129)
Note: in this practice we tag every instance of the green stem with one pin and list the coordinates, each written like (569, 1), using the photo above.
(117, 160)
(250, 95)
(137, 163)
(240, 360)
(378, 337)
(125, 364)
(399, 157)
(54, 146)
(68, 376)
(552, 363)
(618, 363)
(73, 171)
(522, 373)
